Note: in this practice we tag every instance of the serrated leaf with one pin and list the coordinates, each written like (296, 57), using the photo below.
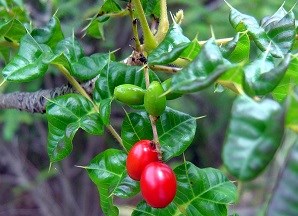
(89, 67)
(115, 74)
(261, 76)
(51, 34)
(284, 200)
(205, 69)
(253, 136)
(200, 192)
(13, 29)
(176, 131)
(238, 49)
(289, 80)
(170, 48)
(66, 114)
(108, 171)
(242, 22)
(280, 27)
(28, 64)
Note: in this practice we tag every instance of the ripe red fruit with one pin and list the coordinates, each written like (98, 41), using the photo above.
(158, 184)
(140, 155)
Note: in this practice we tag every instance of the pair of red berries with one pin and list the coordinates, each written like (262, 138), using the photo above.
(157, 179)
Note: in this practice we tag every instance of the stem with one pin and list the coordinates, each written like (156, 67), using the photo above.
(134, 29)
(74, 82)
(153, 119)
(79, 89)
(116, 135)
(163, 26)
(149, 40)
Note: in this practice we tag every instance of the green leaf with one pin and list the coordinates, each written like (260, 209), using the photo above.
(238, 49)
(261, 76)
(66, 114)
(115, 74)
(253, 136)
(176, 131)
(289, 80)
(191, 51)
(200, 192)
(278, 32)
(71, 48)
(13, 30)
(170, 48)
(292, 107)
(96, 23)
(51, 34)
(66, 53)
(89, 67)
(284, 199)
(280, 27)
(109, 6)
(95, 29)
(105, 110)
(28, 64)
(108, 171)
(203, 71)
(151, 7)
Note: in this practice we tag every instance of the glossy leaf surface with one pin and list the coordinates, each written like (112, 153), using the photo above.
(51, 34)
(170, 48)
(278, 31)
(261, 76)
(203, 71)
(66, 114)
(28, 64)
(90, 66)
(107, 170)
(176, 131)
(254, 134)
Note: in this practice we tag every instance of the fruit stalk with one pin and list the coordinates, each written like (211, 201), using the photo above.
(153, 119)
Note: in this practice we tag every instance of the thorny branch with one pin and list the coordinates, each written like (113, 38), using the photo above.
(35, 102)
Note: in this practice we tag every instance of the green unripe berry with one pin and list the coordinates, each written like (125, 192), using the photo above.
(129, 94)
(154, 103)
(166, 86)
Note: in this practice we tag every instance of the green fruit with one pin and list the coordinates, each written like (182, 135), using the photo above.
(129, 94)
(154, 103)
(166, 85)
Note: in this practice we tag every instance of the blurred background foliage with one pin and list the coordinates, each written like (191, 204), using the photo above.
(26, 186)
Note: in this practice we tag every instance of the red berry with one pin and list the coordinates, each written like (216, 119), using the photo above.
(141, 154)
(158, 184)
